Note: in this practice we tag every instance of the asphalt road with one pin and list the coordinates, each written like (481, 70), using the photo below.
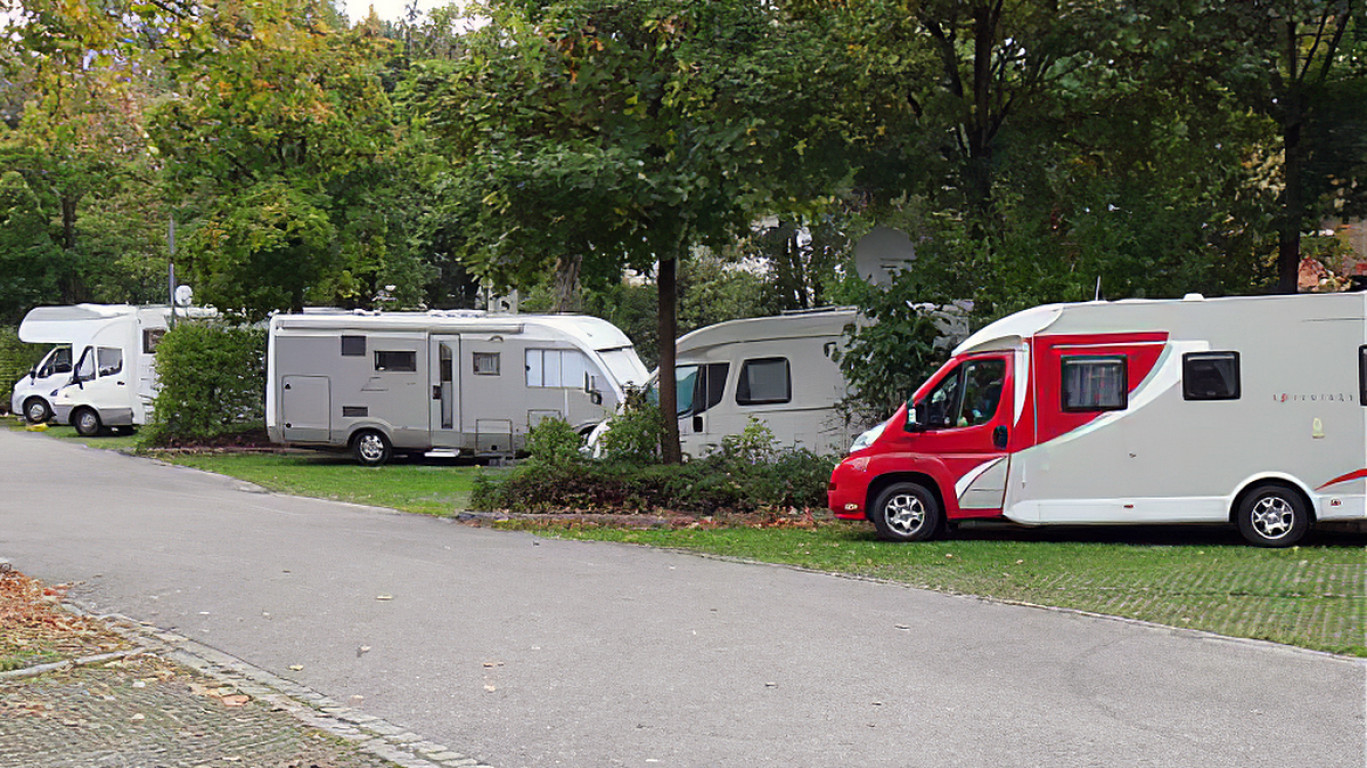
(530, 652)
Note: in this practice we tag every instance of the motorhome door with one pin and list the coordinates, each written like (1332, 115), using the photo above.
(443, 357)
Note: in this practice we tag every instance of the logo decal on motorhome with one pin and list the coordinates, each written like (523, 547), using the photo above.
(1329, 397)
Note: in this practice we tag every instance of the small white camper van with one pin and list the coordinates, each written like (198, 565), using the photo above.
(113, 378)
(31, 397)
(1246, 410)
(459, 381)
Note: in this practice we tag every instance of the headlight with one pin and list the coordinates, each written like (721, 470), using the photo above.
(866, 439)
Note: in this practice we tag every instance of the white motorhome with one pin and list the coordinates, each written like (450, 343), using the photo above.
(1250, 411)
(31, 397)
(778, 370)
(457, 381)
(114, 377)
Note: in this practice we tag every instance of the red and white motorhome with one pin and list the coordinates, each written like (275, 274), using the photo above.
(1244, 410)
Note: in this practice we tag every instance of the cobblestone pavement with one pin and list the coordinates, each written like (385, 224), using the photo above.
(164, 701)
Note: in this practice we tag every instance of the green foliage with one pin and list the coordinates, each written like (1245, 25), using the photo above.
(633, 434)
(213, 382)
(269, 250)
(16, 359)
(712, 485)
(554, 443)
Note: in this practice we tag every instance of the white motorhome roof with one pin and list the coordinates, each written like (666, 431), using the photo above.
(1127, 314)
(62, 325)
(598, 333)
(791, 326)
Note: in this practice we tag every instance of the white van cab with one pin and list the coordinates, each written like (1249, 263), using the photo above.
(32, 395)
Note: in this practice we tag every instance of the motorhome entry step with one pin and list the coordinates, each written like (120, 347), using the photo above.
(442, 454)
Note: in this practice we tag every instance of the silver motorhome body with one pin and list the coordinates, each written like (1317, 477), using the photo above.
(457, 380)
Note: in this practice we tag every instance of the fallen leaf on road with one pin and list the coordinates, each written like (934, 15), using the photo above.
(490, 688)
(236, 700)
(139, 717)
(384, 597)
(492, 664)
(297, 667)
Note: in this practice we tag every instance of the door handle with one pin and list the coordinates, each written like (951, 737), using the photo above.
(999, 436)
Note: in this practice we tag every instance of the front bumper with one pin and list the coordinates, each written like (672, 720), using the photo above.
(848, 488)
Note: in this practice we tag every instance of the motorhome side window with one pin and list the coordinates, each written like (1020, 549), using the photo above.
(486, 363)
(700, 387)
(353, 346)
(396, 361)
(764, 381)
(968, 396)
(109, 360)
(1210, 376)
(151, 339)
(557, 368)
(1094, 383)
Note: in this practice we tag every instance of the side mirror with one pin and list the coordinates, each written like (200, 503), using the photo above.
(591, 389)
(916, 418)
(32, 375)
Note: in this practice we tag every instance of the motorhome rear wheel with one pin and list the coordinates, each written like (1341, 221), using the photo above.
(36, 410)
(371, 447)
(86, 421)
(1273, 516)
(906, 512)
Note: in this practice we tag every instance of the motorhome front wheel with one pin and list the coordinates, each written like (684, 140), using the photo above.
(1273, 516)
(906, 512)
(36, 410)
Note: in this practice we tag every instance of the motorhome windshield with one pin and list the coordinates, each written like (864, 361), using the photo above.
(623, 365)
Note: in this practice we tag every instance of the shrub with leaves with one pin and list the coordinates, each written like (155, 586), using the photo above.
(634, 433)
(16, 358)
(554, 443)
(213, 383)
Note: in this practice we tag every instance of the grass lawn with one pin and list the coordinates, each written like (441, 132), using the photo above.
(1313, 596)
(433, 487)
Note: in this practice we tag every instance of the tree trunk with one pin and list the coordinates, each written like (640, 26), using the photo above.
(567, 282)
(1289, 228)
(72, 287)
(667, 328)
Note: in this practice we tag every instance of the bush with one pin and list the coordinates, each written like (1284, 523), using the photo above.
(213, 383)
(713, 484)
(16, 359)
(634, 434)
(554, 443)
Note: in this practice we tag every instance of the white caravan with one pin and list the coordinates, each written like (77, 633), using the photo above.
(31, 397)
(778, 370)
(114, 377)
(1248, 410)
(456, 381)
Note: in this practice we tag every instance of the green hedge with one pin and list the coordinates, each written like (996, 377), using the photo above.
(213, 383)
(16, 359)
(749, 474)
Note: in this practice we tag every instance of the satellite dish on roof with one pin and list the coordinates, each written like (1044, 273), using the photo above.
(882, 253)
(184, 295)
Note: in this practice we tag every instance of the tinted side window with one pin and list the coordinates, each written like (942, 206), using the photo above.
(764, 381)
(1094, 383)
(1210, 376)
(151, 338)
(713, 385)
(396, 361)
(353, 346)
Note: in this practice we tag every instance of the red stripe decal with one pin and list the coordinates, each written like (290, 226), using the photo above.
(1358, 475)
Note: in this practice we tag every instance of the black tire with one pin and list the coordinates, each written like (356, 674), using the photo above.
(906, 512)
(36, 410)
(86, 421)
(1273, 516)
(371, 448)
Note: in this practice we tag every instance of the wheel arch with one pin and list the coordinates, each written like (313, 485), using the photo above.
(1285, 481)
(357, 430)
(920, 478)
